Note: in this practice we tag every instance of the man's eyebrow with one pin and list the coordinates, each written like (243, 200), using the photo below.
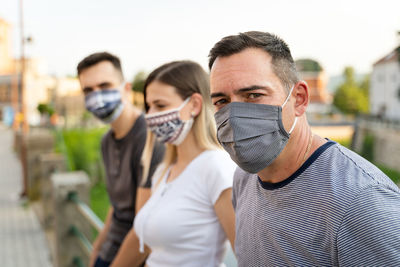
(241, 90)
(218, 95)
(104, 84)
(250, 88)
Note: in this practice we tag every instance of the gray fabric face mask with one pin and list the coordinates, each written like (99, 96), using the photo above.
(252, 134)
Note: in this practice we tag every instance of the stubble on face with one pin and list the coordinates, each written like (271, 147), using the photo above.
(101, 76)
(251, 68)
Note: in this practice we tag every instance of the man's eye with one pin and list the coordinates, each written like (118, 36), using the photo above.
(87, 90)
(220, 102)
(254, 95)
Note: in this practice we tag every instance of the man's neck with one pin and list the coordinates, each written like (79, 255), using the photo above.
(299, 148)
(124, 123)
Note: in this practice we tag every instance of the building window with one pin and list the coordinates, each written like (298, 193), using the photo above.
(4, 94)
(398, 94)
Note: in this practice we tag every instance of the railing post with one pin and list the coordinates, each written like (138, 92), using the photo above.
(65, 216)
(38, 141)
(49, 163)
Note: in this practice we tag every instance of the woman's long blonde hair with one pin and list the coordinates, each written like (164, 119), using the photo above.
(187, 78)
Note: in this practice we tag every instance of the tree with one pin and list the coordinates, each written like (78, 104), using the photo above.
(307, 64)
(45, 109)
(365, 85)
(138, 81)
(350, 97)
(137, 88)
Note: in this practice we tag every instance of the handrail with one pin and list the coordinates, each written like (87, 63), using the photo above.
(78, 262)
(86, 211)
(83, 241)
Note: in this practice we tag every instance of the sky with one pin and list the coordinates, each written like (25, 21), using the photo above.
(146, 34)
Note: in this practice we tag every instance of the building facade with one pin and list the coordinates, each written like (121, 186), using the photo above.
(314, 75)
(385, 86)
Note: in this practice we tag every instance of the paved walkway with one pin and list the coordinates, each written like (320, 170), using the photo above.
(22, 242)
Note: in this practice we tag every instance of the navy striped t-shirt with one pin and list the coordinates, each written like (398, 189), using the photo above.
(336, 210)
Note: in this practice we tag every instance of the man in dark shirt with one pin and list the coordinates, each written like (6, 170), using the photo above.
(107, 96)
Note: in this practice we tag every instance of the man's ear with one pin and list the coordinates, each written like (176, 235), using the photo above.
(127, 93)
(128, 87)
(302, 98)
(197, 103)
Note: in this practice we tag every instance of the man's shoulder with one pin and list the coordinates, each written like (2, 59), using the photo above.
(357, 169)
(241, 179)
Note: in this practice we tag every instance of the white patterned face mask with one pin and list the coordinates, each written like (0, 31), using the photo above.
(168, 126)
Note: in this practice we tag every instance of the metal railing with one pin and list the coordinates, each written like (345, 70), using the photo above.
(93, 220)
(379, 122)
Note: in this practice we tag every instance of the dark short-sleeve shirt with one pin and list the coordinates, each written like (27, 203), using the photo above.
(121, 159)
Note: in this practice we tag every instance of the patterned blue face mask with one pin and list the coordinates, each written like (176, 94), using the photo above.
(105, 104)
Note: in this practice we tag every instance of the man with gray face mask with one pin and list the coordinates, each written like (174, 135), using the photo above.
(108, 97)
(299, 199)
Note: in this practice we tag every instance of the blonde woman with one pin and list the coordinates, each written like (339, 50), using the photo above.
(189, 216)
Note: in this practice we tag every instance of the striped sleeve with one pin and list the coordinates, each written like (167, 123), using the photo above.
(369, 234)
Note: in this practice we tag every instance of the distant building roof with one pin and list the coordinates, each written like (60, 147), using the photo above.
(308, 65)
(392, 56)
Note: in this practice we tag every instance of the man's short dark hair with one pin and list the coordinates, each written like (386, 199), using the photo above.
(282, 61)
(95, 58)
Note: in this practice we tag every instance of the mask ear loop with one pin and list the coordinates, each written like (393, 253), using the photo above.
(294, 124)
(288, 97)
(184, 103)
(284, 103)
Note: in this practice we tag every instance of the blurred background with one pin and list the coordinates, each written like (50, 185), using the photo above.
(347, 51)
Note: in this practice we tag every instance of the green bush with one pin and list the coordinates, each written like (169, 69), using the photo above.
(393, 174)
(82, 148)
(99, 201)
(346, 142)
(367, 149)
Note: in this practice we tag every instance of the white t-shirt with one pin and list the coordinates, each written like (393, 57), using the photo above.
(179, 222)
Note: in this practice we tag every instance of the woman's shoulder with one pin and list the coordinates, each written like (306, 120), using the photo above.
(216, 161)
(155, 179)
(217, 156)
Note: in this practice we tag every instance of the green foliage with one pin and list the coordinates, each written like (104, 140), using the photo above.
(364, 86)
(99, 201)
(346, 142)
(368, 153)
(367, 149)
(44, 108)
(392, 174)
(308, 65)
(138, 81)
(351, 98)
(82, 150)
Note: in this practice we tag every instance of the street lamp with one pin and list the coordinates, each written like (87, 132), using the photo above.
(25, 128)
